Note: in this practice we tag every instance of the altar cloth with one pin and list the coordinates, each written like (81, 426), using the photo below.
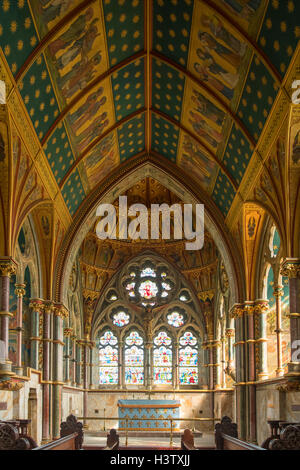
(161, 411)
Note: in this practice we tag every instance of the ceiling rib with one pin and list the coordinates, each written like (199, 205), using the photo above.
(98, 140)
(49, 36)
(251, 43)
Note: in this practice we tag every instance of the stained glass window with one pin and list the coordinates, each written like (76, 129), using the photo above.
(188, 359)
(148, 285)
(148, 272)
(121, 319)
(148, 289)
(162, 359)
(134, 359)
(175, 319)
(108, 358)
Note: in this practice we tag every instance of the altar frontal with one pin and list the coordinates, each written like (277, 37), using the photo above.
(148, 415)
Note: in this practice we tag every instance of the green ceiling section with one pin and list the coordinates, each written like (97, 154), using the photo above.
(17, 32)
(58, 152)
(124, 24)
(171, 25)
(258, 97)
(223, 193)
(237, 154)
(282, 16)
(73, 192)
(164, 137)
(128, 86)
(167, 89)
(132, 137)
(38, 96)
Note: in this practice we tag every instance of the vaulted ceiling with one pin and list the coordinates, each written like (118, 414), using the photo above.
(189, 81)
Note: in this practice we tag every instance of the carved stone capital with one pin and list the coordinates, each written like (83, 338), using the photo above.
(230, 332)
(48, 306)
(8, 267)
(37, 305)
(11, 386)
(237, 311)
(278, 291)
(290, 268)
(20, 290)
(68, 331)
(249, 309)
(60, 311)
(261, 307)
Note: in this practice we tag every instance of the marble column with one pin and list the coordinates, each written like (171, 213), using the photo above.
(291, 269)
(46, 427)
(278, 293)
(237, 313)
(7, 268)
(78, 364)
(86, 347)
(223, 362)
(68, 354)
(148, 364)
(60, 312)
(73, 360)
(261, 309)
(176, 383)
(20, 292)
(36, 323)
(120, 365)
(230, 333)
(251, 370)
(217, 364)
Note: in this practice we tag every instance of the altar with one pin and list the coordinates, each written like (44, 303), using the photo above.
(160, 412)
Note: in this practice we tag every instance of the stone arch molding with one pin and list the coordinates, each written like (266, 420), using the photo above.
(80, 227)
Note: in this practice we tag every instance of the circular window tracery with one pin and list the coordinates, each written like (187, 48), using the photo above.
(176, 319)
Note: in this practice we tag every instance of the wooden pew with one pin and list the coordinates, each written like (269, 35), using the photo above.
(64, 443)
(112, 442)
(187, 440)
(226, 437)
(288, 439)
(10, 438)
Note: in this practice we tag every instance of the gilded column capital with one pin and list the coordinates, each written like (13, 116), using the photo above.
(60, 311)
(249, 308)
(48, 306)
(261, 307)
(230, 332)
(20, 290)
(68, 331)
(37, 305)
(278, 291)
(290, 268)
(237, 311)
(8, 267)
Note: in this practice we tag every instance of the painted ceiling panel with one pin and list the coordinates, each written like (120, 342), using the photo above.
(193, 160)
(218, 56)
(91, 116)
(223, 193)
(78, 55)
(164, 137)
(73, 192)
(196, 66)
(17, 33)
(237, 154)
(38, 96)
(124, 22)
(103, 159)
(48, 14)
(129, 89)
(171, 26)
(283, 17)
(167, 89)
(258, 97)
(59, 153)
(131, 136)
